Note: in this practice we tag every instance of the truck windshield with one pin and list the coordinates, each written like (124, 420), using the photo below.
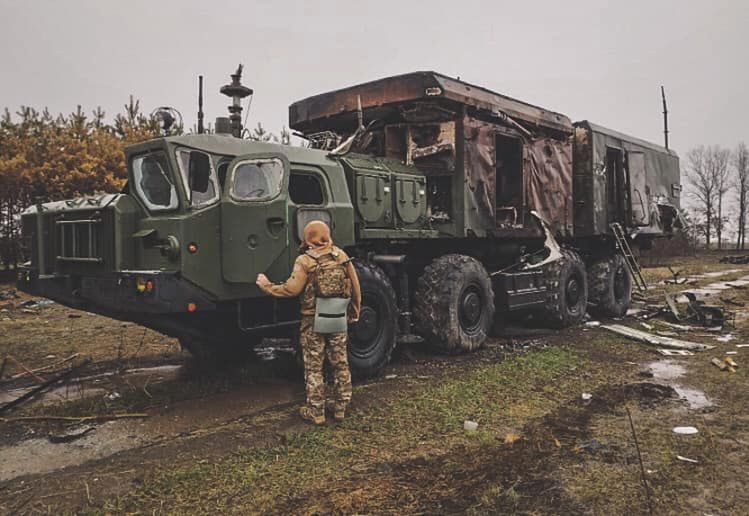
(199, 177)
(152, 182)
(257, 179)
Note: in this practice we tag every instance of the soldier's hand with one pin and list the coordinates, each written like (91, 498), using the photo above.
(262, 280)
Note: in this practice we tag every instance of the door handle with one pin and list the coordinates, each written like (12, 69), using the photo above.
(275, 225)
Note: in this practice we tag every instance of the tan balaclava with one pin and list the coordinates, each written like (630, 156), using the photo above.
(317, 237)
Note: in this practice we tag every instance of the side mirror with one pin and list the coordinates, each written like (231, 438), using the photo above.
(200, 172)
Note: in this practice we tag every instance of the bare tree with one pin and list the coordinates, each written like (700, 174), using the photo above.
(717, 165)
(703, 188)
(741, 185)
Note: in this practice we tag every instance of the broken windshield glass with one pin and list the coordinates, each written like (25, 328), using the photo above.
(152, 182)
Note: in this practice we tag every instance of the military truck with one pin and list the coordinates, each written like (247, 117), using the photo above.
(458, 204)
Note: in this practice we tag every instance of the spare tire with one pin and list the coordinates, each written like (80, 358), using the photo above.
(610, 287)
(372, 339)
(567, 290)
(454, 303)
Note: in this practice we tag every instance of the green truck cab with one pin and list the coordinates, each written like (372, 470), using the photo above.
(456, 203)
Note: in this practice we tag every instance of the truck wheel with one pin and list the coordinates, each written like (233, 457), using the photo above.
(610, 287)
(567, 290)
(372, 339)
(454, 303)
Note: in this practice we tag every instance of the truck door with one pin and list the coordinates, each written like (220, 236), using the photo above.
(308, 201)
(615, 185)
(638, 193)
(254, 219)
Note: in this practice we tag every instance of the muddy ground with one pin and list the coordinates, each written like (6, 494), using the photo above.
(553, 412)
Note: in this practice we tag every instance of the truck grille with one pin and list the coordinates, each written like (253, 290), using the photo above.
(79, 240)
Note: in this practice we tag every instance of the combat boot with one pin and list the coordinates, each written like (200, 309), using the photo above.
(316, 417)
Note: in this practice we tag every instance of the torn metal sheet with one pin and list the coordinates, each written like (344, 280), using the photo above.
(555, 251)
(655, 340)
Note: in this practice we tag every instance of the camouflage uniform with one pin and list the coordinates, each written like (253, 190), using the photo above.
(314, 350)
(315, 346)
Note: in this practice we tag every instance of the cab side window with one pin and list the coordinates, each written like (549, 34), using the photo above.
(306, 189)
(257, 180)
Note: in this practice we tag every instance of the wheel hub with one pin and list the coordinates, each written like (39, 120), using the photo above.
(620, 283)
(366, 328)
(573, 291)
(470, 308)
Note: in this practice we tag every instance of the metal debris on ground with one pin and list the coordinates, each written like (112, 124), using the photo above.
(675, 352)
(723, 365)
(655, 340)
(39, 303)
(738, 259)
(731, 362)
(7, 295)
(700, 312)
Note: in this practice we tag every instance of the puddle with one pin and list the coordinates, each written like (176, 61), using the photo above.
(39, 455)
(669, 370)
(271, 349)
(666, 369)
(84, 386)
(695, 398)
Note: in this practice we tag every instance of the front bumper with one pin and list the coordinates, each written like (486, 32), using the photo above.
(118, 292)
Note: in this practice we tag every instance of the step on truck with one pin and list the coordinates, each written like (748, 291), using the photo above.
(460, 207)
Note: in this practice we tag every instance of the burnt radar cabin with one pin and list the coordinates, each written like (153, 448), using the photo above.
(458, 204)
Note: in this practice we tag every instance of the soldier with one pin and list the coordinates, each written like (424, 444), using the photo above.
(331, 298)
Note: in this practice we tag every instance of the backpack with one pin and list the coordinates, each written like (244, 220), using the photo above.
(329, 277)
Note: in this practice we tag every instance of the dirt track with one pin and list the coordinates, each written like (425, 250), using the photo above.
(230, 441)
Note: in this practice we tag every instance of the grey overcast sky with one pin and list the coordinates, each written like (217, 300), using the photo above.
(595, 60)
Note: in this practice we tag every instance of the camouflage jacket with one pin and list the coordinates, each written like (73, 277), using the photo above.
(301, 282)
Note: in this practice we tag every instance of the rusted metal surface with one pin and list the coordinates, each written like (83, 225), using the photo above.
(377, 95)
(548, 175)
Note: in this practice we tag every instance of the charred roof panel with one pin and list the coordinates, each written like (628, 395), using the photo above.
(418, 86)
(624, 137)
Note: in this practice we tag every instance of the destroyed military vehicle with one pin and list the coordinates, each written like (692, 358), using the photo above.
(458, 204)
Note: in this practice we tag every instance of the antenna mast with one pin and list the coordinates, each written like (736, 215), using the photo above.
(201, 130)
(665, 117)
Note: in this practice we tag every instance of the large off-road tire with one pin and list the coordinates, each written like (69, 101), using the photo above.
(609, 287)
(454, 303)
(372, 339)
(567, 290)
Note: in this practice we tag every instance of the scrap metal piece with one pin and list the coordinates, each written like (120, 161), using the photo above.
(555, 251)
(655, 340)
(675, 352)
(707, 315)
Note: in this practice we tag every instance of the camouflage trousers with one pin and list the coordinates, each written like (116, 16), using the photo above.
(315, 347)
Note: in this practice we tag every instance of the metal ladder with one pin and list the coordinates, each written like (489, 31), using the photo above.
(629, 258)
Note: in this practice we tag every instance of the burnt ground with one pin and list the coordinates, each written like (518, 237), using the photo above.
(218, 441)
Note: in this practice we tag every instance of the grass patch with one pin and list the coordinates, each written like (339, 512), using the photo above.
(425, 424)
